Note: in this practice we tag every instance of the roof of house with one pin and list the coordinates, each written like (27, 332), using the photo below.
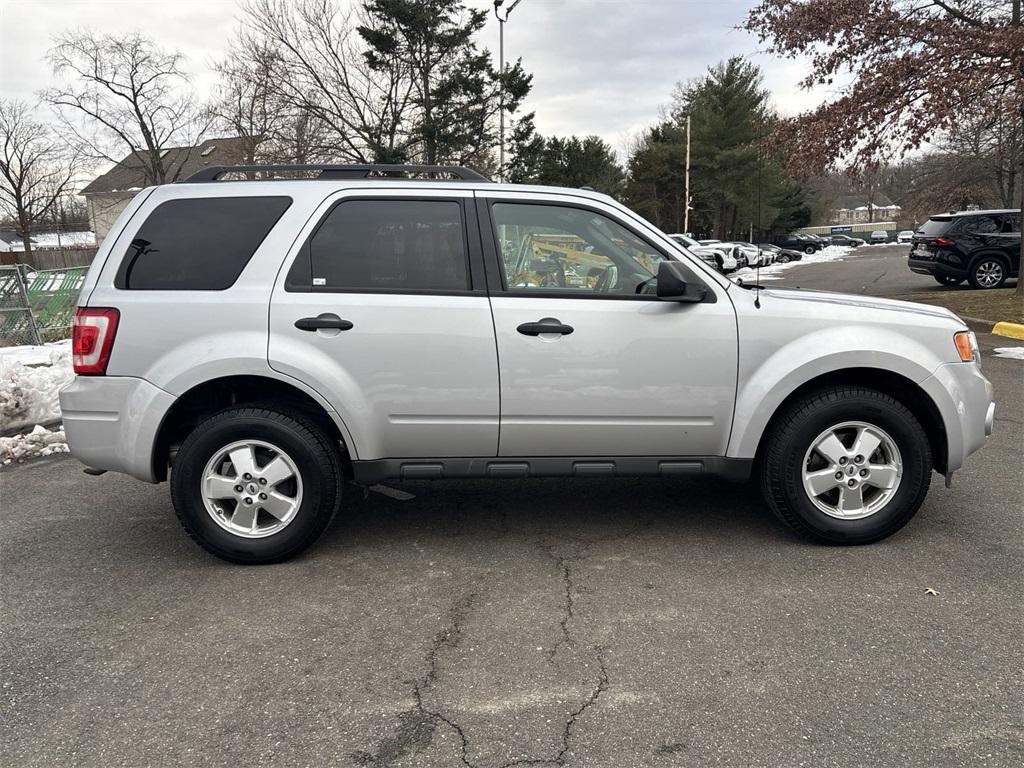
(855, 202)
(181, 162)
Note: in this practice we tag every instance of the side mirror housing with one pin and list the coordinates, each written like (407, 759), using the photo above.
(672, 285)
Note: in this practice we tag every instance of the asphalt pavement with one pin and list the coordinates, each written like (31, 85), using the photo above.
(600, 623)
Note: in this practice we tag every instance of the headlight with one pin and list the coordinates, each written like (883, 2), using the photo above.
(967, 346)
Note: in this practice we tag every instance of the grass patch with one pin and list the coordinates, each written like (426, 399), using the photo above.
(1001, 304)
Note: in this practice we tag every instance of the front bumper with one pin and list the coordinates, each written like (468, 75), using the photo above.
(111, 422)
(964, 399)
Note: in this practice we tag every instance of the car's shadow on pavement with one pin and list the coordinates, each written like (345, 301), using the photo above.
(580, 510)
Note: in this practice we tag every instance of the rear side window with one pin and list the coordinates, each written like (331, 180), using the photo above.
(198, 244)
(934, 226)
(979, 225)
(386, 245)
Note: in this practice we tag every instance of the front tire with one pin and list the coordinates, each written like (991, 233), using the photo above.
(846, 465)
(809, 250)
(256, 485)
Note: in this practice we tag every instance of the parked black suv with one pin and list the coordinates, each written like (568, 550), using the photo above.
(797, 243)
(982, 247)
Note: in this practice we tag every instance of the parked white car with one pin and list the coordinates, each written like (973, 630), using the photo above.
(720, 256)
(754, 255)
(905, 236)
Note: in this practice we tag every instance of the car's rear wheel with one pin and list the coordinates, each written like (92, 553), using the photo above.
(947, 280)
(846, 465)
(255, 485)
(988, 272)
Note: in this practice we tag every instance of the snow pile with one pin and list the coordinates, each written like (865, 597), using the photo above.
(30, 378)
(39, 442)
(774, 271)
(1014, 353)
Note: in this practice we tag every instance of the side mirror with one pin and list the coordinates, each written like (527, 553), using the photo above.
(672, 285)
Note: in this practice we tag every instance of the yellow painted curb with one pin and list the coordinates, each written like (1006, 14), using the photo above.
(1013, 330)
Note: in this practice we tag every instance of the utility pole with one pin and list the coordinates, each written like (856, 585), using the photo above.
(501, 82)
(686, 202)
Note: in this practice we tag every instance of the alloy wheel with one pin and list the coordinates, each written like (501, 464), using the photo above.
(989, 273)
(252, 488)
(852, 470)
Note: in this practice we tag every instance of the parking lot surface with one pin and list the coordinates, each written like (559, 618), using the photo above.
(605, 623)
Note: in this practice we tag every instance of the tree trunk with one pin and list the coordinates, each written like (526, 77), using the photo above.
(26, 237)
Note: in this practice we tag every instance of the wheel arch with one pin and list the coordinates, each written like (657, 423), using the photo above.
(905, 390)
(208, 397)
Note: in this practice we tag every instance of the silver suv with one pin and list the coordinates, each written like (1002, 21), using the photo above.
(264, 341)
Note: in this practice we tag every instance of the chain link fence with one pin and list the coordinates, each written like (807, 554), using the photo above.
(36, 306)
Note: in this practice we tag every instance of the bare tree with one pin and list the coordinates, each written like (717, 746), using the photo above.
(36, 170)
(125, 95)
(326, 80)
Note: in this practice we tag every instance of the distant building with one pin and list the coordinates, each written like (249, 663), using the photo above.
(853, 209)
(107, 195)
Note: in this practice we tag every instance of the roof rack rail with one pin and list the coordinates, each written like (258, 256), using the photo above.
(214, 172)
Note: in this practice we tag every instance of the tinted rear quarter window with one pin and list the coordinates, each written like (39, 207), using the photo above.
(198, 244)
(386, 245)
(935, 226)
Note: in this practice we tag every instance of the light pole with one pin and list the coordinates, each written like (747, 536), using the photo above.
(686, 204)
(501, 83)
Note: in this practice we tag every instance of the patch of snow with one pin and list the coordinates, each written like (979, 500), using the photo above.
(1013, 353)
(30, 378)
(774, 271)
(39, 442)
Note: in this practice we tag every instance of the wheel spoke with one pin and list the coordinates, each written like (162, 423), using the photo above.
(851, 499)
(831, 448)
(219, 487)
(277, 504)
(820, 482)
(867, 443)
(276, 471)
(882, 476)
(244, 460)
(244, 517)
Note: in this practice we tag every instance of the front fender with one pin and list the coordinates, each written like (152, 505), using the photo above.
(767, 378)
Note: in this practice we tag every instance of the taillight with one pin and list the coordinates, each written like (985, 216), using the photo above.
(92, 338)
(942, 241)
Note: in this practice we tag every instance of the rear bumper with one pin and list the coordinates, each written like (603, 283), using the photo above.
(933, 267)
(111, 422)
(964, 399)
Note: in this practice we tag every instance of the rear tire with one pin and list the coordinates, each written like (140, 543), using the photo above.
(290, 474)
(988, 272)
(792, 464)
(947, 280)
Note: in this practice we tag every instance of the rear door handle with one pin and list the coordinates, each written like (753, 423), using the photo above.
(545, 325)
(321, 322)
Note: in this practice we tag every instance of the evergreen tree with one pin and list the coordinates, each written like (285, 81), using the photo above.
(456, 91)
(569, 162)
(736, 182)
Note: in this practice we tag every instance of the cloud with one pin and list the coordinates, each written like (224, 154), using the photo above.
(601, 67)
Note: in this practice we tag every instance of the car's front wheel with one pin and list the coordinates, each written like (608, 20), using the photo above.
(948, 280)
(809, 250)
(254, 485)
(846, 465)
(988, 272)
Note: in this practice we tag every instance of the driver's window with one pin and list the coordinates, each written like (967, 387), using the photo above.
(562, 249)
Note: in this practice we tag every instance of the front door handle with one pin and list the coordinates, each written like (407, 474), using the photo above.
(545, 325)
(322, 322)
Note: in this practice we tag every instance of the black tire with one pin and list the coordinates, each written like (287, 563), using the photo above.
(810, 249)
(783, 259)
(314, 454)
(947, 280)
(790, 438)
(981, 271)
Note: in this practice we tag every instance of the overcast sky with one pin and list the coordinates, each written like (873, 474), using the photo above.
(600, 66)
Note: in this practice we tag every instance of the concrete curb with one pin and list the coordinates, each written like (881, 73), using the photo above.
(1010, 330)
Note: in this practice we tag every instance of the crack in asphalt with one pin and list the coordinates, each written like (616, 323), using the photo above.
(418, 725)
